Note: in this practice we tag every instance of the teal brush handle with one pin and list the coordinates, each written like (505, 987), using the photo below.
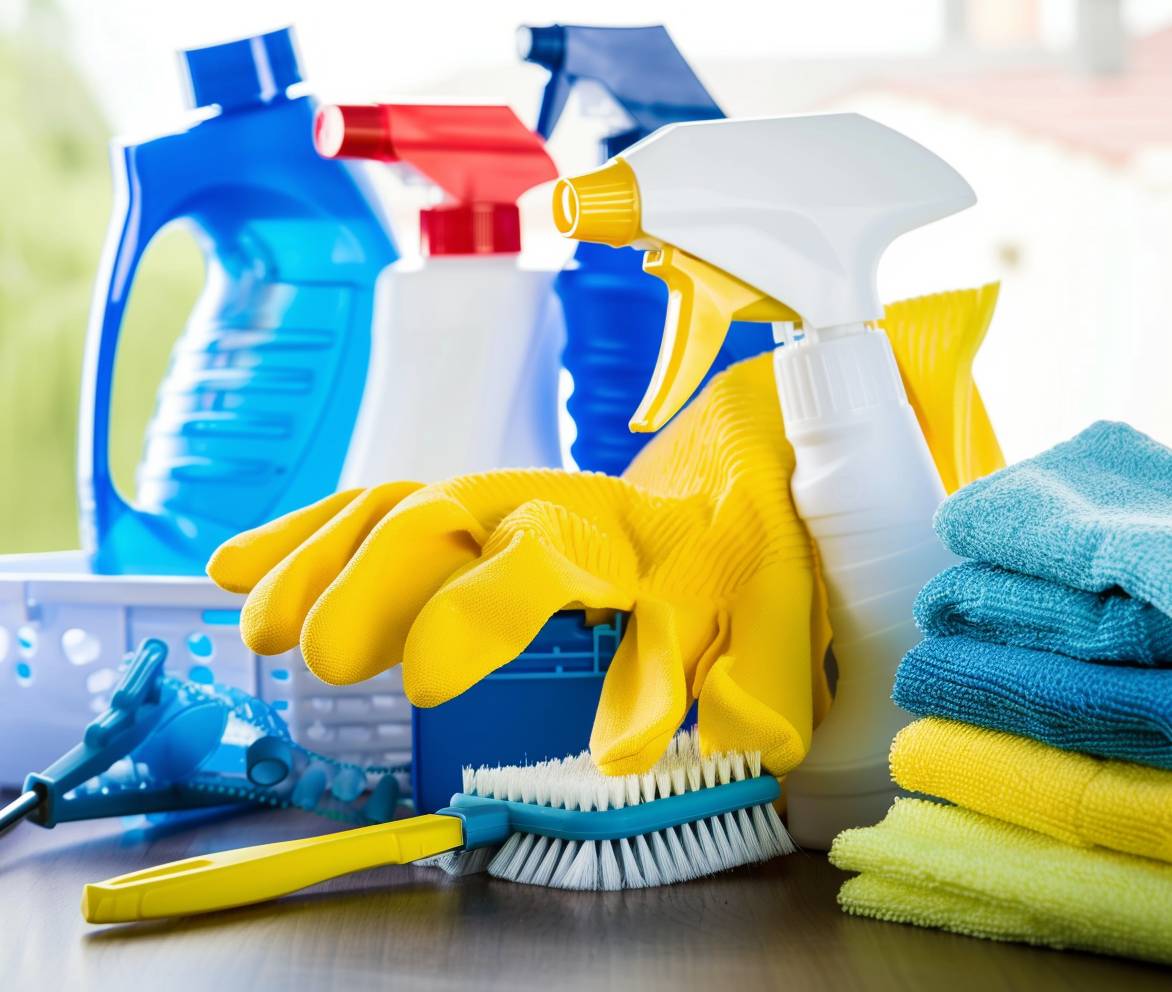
(610, 824)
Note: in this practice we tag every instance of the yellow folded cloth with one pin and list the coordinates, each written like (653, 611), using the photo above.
(1076, 798)
(942, 866)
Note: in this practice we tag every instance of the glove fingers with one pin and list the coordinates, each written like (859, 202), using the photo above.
(242, 561)
(541, 559)
(275, 610)
(645, 695)
(935, 339)
(759, 694)
(357, 627)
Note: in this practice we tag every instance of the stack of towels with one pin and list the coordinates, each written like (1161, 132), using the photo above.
(1044, 684)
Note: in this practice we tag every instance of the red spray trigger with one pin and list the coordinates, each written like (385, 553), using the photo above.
(483, 157)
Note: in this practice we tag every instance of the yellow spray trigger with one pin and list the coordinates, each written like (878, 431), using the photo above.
(702, 301)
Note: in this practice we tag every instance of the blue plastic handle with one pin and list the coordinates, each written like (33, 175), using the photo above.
(490, 821)
(136, 219)
(256, 413)
(135, 708)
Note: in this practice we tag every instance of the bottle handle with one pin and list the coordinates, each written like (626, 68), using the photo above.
(135, 220)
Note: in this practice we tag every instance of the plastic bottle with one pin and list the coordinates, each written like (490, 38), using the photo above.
(613, 312)
(866, 487)
(463, 373)
(780, 220)
(255, 414)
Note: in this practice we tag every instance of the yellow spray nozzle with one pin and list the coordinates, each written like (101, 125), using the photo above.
(603, 206)
(600, 206)
(702, 301)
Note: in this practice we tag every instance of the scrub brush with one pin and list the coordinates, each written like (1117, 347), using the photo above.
(691, 849)
(558, 823)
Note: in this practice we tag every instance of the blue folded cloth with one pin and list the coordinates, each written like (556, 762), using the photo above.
(1093, 513)
(1114, 711)
(990, 603)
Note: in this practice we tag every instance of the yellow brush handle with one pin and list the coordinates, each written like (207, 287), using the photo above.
(254, 874)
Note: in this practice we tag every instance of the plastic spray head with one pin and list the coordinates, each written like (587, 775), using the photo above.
(242, 73)
(482, 157)
(640, 68)
(773, 219)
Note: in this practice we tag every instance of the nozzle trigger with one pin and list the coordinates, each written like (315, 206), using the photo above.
(702, 301)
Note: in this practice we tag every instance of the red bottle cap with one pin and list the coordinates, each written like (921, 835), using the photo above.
(483, 157)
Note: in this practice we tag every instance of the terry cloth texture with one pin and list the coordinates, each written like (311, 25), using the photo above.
(942, 866)
(1113, 711)
(1092, 513)
(990, 603)
(1074, 798)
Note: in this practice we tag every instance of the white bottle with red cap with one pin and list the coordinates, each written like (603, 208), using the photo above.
(465, 351)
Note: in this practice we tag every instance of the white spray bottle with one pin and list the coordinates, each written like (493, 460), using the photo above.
(465, 349)
(784, 220)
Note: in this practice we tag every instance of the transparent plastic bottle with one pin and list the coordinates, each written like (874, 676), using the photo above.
(256, 412)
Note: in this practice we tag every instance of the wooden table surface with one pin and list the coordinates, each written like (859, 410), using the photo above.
(773, 926)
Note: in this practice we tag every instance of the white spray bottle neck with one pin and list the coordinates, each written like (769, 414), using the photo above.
(786, 332)
(834, 372)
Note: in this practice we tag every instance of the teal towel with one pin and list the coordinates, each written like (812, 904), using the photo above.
(1114, 711)
(1093, 513)
(989, 603)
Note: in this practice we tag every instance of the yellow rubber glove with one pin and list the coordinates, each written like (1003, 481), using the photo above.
(699, 541)
(935, 339)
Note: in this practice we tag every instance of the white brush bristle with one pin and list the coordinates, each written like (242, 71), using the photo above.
(663, 857)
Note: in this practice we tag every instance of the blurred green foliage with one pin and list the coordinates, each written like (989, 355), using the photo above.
(54, 208)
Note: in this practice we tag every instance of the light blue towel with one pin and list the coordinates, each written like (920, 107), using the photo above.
(1114, 711)
(989, 603)
(1093, 513)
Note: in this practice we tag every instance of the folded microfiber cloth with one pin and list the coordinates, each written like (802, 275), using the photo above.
(1074, 798)
(947, 867)
(1114, 711)
(991, 603)
(1092, 513)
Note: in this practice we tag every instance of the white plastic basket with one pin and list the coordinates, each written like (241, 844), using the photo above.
(64, 631)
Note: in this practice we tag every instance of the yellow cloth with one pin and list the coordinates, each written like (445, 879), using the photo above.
(699, 540)
(1076, 798)
(942, 866)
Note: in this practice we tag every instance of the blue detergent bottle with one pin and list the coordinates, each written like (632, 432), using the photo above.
(256, 411)
(613, 309)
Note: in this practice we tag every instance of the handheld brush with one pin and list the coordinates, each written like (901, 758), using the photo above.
(558, 823)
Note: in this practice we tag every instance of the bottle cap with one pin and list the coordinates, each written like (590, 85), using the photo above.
(601, 206)
(482, 157)
(241, 73)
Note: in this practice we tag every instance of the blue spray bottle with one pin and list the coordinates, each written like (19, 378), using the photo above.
(256, 412)
(613, 309)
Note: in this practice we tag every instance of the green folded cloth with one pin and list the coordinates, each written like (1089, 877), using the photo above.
(943, 866)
